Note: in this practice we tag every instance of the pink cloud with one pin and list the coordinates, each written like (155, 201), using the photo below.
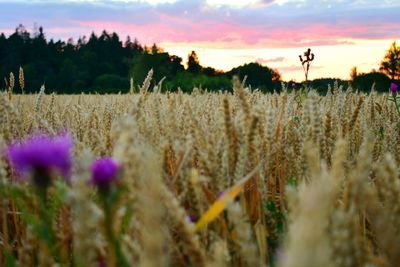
(294, 68)
(265, 25)
(270, 60)
(6, 31)
(183, 31)
(231, 35)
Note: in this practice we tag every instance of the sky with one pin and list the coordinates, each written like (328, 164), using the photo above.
(229, 33)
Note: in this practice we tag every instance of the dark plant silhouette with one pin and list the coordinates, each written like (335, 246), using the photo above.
(306, 61)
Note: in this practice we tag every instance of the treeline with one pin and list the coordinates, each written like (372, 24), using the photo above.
(106, 64)
(362, 82)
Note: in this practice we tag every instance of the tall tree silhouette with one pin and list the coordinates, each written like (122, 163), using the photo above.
(193, 63)
(258, 76)
(390, 64)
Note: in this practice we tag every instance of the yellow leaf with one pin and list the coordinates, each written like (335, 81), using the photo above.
(222, 202)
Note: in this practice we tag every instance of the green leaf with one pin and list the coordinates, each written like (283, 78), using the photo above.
(61, 189)
(279, 215)
(280, 225)
(271, 206)
(292, 182)
(126, 218)
(381, 133)
(9, 259)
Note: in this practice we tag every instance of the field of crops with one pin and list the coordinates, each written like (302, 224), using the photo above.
(202, 179)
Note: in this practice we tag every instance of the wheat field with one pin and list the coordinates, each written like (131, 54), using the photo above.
(293, 180)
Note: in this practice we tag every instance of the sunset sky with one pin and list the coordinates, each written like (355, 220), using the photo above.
(228, 33)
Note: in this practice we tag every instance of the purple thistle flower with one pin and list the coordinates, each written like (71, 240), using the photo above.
(102, 263)
(191, 219)
(393, 88)
(280, 254)
(104, 171)
(41, 154)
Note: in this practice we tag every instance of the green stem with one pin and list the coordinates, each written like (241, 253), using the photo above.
(45, 225)
(121, 260)
(397, 105)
